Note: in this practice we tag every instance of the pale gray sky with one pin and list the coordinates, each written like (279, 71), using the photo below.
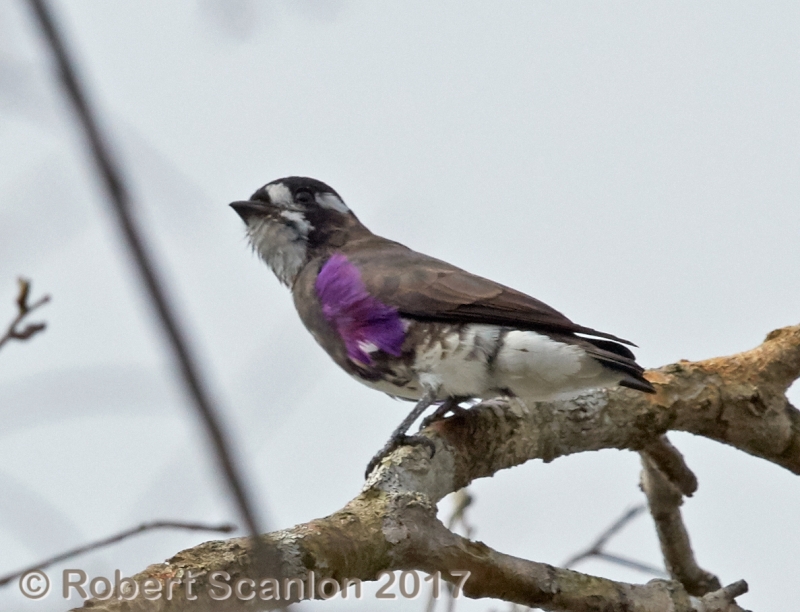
(633, 164)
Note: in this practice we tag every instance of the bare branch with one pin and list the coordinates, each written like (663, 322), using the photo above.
(123, 535)
(665, 502)
(392, 525)
(380, 531)
(669, 461)
(723, 599)
(23, 310)
(121, 204)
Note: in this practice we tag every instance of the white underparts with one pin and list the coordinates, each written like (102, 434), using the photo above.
(456, 363)
(485, 361)
(282, 246)
(534, 366)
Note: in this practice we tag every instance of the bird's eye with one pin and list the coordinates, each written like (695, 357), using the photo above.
(303, 197)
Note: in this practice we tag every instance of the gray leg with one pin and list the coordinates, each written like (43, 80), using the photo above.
(451, 404)
(399, 436)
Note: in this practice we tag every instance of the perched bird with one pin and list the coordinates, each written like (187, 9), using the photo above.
(416, 327)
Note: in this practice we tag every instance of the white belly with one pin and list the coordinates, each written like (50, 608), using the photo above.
(485, 361)
(534, 366)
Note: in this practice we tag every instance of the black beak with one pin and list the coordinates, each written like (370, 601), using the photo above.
(249, 208)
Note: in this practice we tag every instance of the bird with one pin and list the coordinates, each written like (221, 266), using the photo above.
(416, 327)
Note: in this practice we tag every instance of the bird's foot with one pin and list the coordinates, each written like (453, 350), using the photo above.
(451, 404)
(393, 443)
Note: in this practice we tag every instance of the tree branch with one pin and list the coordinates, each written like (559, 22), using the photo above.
(380, 531)
(391, 525)
(665, 502)
(23, 310)
(669, 461)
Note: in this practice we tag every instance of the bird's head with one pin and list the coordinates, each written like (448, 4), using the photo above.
(293, 219)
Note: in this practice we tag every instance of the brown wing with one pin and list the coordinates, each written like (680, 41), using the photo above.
(426, 288)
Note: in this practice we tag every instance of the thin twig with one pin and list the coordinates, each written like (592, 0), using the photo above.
(632, 564)
(461, 501)
(113, 540)
(23, 310)
(120, 201)
(596, 548)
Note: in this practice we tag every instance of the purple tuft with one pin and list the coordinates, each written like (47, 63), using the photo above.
(359, 318)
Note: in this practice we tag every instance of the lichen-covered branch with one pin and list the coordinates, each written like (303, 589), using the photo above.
(391, 525)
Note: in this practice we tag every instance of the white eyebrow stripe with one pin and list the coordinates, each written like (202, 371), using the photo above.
(280, 195)
(329, 200)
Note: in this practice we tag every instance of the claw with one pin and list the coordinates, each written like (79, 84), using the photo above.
(421, 441)
(399, 436)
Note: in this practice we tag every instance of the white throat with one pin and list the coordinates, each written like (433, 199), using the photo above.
(282, 247)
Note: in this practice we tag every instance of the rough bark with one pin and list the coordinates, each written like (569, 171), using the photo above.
(665, 501)
(391, 525)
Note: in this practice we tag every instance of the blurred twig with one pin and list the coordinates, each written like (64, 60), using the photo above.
(461, 501)
(120, 202)
(4, 580)
(596, 548)
(23, 310)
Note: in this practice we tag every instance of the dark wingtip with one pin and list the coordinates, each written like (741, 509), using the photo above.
(613, 347)
(640, 384)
